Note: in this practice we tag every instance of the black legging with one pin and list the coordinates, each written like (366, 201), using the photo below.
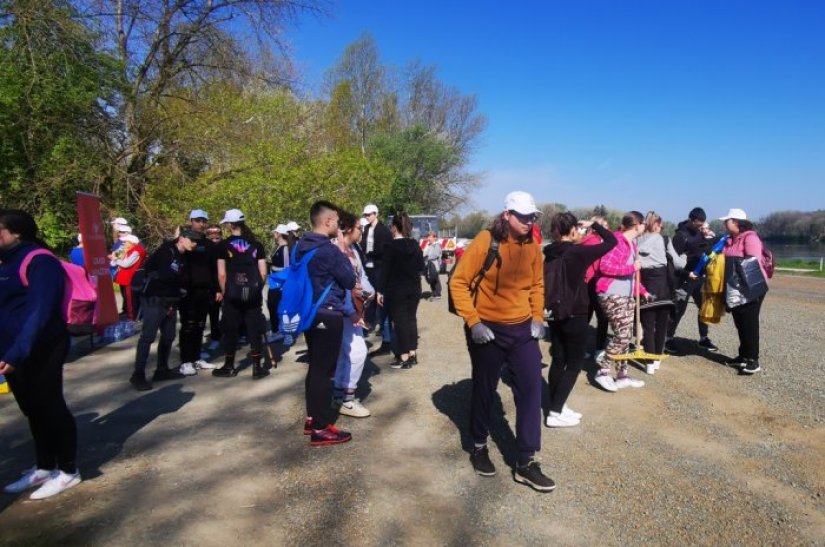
(746, 319)
(403, 307)
(273, 298)
(37, 385)
(236, 315)
(568, 340)
(654, 326)
(193, 312)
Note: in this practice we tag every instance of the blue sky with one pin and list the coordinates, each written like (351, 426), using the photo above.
(644, 105)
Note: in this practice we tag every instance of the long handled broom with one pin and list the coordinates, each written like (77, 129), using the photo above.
(639, 352)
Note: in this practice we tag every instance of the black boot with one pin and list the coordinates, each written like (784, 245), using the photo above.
(258, 370)
(228, 369)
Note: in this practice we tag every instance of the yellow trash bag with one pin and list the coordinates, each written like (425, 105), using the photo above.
(713, 292)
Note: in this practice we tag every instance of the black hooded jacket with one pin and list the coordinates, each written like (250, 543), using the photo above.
(690, 242)
(401, 271)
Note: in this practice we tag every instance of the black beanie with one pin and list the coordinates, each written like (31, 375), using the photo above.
(697, 213)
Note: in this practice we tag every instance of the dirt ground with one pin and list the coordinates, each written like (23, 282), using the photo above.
(699, 456)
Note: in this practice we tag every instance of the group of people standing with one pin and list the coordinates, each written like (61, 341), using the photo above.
(504, 289)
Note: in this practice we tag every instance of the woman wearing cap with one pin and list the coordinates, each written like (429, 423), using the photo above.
(504, 319)
(130, 260)
(241, 274)
(284, 241)
(616, 287)
(745, 242)
(33, 347)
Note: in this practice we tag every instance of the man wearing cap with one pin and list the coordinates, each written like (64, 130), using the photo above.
(690, 241)
(164, 272)
(375, 237)
(504, 320)
(200, 284)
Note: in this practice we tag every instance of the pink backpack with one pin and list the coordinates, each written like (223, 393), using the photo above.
(79, 297)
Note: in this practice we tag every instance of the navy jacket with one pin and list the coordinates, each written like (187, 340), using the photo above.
(32, 315)
(328, 265)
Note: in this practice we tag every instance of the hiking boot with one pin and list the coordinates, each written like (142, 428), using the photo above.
(531, 475)
(706, 344)
(29, 479)
(354, 409)
(258, 371)
(604, 380)
(59, 482)
(139, 382)
(187, 369)
(329, 435)
(751, 367)
(162, 374)
(226, 371)
(480, 458)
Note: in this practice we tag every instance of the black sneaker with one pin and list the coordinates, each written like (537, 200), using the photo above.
(162, 374)
(480, 458)
(398, 363)
(706, 344)
(735, 362)
(413, 360)
(225, 372)
(139, 382)
(532, 476)
(751, 367)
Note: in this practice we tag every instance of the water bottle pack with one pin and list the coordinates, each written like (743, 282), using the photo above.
(119, 331)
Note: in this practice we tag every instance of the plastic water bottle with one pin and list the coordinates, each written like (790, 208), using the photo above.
(118, 332)
(4, 386)
(128, 329)
(109, 333)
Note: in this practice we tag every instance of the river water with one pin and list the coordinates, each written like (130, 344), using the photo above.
(795, 250)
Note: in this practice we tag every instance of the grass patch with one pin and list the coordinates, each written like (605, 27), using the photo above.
(800, 264)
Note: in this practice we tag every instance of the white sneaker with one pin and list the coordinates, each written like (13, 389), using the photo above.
(213, 345)
(188, 369)
(29, 479)
(627, 381)
(557, 419)
(650, 367)
(568, 412)
(58, 483)
(604, 379)
(354, 409)
(656, 364)
(200, 364)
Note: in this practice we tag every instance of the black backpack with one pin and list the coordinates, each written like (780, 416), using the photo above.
(558, 298)
(475, 283)
(243, 279)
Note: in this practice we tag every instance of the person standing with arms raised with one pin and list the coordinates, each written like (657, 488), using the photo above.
(504, 319)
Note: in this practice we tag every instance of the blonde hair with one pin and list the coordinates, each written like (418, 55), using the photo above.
(651, 220)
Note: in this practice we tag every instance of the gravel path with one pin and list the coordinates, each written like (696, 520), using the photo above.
(698, 456)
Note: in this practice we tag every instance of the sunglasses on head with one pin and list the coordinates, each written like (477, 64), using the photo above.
(525, 219)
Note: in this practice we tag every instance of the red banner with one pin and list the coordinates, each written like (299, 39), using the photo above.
(95, 253)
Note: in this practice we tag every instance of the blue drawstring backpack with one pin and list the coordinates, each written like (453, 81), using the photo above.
(296, 309)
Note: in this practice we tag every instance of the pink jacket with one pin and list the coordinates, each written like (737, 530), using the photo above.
(614, 264)
(746, 244)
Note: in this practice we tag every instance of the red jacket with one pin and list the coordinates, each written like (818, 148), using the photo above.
(124, 275)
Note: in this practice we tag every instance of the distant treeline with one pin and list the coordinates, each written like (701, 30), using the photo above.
(780, 227)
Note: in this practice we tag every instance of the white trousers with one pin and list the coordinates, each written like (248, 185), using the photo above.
(351, 358)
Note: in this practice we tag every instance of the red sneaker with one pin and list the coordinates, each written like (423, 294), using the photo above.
(329, 435)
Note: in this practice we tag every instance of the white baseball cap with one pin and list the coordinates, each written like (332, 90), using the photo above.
(123, 229)
(130, 239)
(520, 202)
(292, 226)
(738, 214)
(233, 215)
(370, 209)
(281, 229)
(119, 220)
(198, 213)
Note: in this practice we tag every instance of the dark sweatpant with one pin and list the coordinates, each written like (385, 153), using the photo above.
(37, 385)
(568, 340)
(324, 344)
(746, 319)
(403, 309)
(158, 314)
(236, 315)
(519, 351)
(681, 306)
(654, 326)
(273, 299)
(194, 310)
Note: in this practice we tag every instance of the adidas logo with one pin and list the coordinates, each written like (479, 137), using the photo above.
(290, 324)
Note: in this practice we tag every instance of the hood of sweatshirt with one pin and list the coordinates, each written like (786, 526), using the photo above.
(556, 249)
(311, 241)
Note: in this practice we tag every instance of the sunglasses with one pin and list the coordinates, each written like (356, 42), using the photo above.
(525, 219)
